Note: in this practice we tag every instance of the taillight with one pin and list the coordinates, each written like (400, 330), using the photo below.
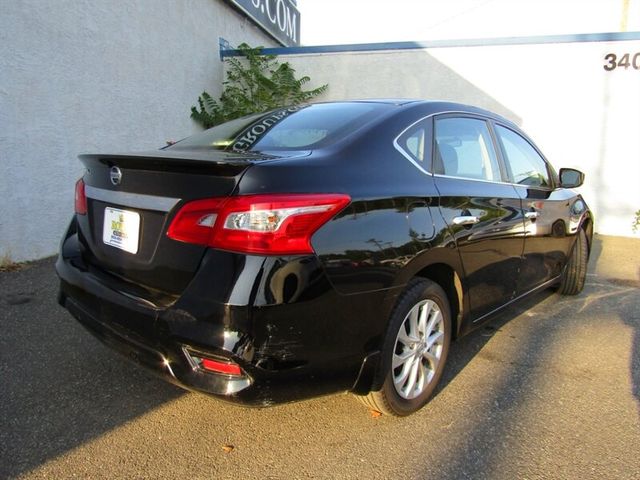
(81, 198)
(195, 221)
(278, 224)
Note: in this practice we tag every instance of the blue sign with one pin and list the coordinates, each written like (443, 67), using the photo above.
(279, 18)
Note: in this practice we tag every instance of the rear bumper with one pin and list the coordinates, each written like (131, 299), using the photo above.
(165, 360)
(289, 346)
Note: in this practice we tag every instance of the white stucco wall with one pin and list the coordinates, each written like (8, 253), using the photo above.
(579, 114)
(82, 76)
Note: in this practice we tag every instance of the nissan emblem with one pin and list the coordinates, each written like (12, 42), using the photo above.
(115, 174)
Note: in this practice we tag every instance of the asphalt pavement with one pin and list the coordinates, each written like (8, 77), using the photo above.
(549, 389)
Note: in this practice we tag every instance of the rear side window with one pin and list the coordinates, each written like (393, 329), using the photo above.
(526, 165)
(295, 128)
(464, 148)
(415, 142)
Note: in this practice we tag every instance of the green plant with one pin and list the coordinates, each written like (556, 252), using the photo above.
(254, 83)
(635, 226)
(8, 265)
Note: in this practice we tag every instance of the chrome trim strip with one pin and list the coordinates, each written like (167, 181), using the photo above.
(134, 200)
(492, 181)
(397, 146)
(476, 180)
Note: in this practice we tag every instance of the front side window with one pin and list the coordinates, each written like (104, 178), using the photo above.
(464, 148)
(526, 165)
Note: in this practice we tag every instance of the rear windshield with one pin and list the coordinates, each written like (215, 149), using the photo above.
(303, 127)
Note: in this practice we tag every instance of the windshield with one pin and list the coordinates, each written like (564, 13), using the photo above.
(300, 127)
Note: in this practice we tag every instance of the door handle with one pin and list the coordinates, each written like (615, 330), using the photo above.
(532, 215)
(466, 220)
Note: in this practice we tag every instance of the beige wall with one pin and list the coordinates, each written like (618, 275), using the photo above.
(95, 76)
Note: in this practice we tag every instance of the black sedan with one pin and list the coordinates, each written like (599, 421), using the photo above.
(319, 248)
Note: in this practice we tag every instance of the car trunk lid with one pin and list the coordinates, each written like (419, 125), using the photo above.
(131, 199)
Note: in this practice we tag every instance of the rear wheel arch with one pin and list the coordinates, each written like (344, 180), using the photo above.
(449, 280)
(414, 351)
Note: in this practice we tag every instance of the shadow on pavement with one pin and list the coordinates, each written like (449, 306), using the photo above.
(615, 261)
(465, 349)
(483, 449)
(60, 386)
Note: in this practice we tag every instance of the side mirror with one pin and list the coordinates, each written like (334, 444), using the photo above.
(571, 178)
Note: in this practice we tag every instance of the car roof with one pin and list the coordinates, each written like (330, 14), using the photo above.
(391, 101)
(432, 106)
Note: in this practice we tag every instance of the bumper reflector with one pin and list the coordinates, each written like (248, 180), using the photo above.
(220, 367)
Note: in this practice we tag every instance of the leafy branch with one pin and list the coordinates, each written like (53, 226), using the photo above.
(254, 83)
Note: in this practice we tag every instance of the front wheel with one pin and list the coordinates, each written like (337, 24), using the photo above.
(415, 350)
(575, 272)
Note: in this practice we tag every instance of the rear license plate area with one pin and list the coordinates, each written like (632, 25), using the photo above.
(121, 229)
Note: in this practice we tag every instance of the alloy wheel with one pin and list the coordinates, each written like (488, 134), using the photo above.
(418, 349)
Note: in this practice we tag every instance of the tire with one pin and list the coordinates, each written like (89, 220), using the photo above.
(575, 272)
(417, 343)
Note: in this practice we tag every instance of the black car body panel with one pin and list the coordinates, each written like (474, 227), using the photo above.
(302, 325)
